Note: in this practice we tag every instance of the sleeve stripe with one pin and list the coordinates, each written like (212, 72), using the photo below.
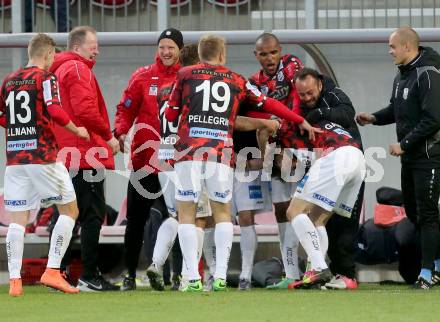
(47, 92)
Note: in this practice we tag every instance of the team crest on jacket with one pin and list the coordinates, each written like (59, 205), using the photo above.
(405, 93)
(153, 90)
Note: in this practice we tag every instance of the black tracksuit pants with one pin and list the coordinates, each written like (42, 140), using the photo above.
(342, 234)
(421, 191)
(91, 204)
(138, 212)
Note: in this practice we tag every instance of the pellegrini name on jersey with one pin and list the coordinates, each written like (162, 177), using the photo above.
(29, 130)
(208, 119)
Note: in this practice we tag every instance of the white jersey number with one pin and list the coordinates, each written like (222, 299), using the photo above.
(165, 122)
(22, 98)
(214, 89)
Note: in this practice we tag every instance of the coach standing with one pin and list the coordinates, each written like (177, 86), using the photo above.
(84, 103)
(415, 108)
(138, 106)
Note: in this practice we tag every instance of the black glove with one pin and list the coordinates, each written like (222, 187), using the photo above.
(317, 114)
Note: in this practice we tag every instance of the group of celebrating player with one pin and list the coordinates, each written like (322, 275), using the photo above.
(228, 146)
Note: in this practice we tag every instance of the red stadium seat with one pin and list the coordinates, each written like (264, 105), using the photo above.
(173, 3)
(5, 4)
(228, 3)
(112, 4)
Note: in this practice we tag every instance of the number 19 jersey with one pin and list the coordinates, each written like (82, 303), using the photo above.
(24, 97)
(209, 97)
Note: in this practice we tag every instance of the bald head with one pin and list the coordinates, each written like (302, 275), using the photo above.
(403, 45)
(267, 37)
(408, 36)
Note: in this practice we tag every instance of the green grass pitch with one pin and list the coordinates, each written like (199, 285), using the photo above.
(370, 303)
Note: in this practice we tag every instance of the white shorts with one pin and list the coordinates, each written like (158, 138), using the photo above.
(193, 175)
(167, 180)
(28, 186)
(333, 181)
(249, 195)
(281, 191)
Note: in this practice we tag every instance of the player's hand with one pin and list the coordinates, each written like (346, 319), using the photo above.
(305, 126)
(83, 133)
(114, 145)
(121, 140)
(365, 118)
(396, 150)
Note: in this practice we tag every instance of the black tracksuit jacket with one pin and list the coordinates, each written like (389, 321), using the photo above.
(415, 108)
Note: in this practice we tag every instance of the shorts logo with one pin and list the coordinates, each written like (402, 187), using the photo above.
(15, 202)
(53, 198)
(200, 132)
(222, 195)
(255, 192)
(346, 208)
(185, 193)
(171, 210)
(21, 145)
(325, 200)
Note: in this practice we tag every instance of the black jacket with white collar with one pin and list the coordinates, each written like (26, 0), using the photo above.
(415, 108)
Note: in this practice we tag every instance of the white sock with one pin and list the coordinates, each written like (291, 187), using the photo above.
(188, 244)
(14, 249)
(200, 236)
(248, 246)
(290, 249)
(323, 239)
(166, 235)
(61, 235)
(223, 243)
(309, 238)
(209, 249)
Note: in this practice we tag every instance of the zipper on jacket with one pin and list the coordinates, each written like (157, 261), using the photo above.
(426, 148)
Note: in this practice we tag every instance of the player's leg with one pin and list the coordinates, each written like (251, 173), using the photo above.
(281, 193)
(219, 187)
(19, 198)
(248, 197)
(187, 194)
(166, 234)
(55, 187)
(209, 251)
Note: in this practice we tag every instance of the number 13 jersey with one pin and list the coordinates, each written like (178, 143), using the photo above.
(24, 97)
(209, 97)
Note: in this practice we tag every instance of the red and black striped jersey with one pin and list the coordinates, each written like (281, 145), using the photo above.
(208, 97)
(281, 86)
(25, 96)
(334, 136)
(168, 129)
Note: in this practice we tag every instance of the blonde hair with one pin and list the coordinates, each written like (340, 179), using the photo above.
(39, 45)
(210, 47)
